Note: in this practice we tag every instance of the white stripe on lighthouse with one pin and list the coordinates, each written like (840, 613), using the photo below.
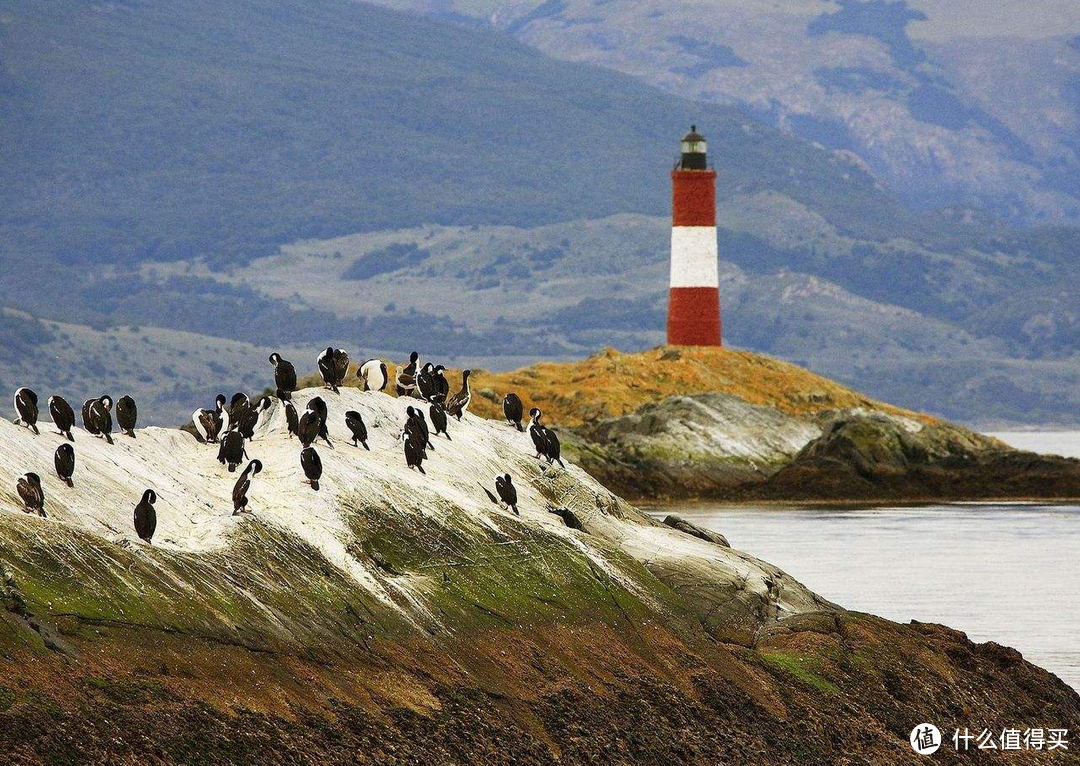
(694, 257)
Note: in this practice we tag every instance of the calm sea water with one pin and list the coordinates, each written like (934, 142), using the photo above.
(999, 572)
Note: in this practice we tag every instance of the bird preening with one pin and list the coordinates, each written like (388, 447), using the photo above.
(33, 496)
(26, 405)
(64, 462)
(334, 366)
(63, 416)
(311, 464)
(243, 484)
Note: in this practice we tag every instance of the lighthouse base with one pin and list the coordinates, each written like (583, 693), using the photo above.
(693, 316)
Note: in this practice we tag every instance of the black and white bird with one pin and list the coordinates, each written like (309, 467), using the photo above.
(459, 402)
(33, 496)
(506, 491)
(355, 423)
(292, 420)
(438, 419)
(146, 516)
(405, 380)
(417, 424)
(252, 416)
(127, 415)
(26, 409)
(544, 439)
(442, 385)
(425, 381)
(373, 374)
(513, 410)
(284, 376)
(232, 451)
(333, 366)
(63, 417)
(318, 406)
(414, 450)
(87, 421)
(308, 428)
(238, 408)
(210, 424)
(101, 417)
(312, 465)
(64, 462)
(243, 484)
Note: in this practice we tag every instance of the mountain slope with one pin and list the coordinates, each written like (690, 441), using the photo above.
(935, 98)
(263, 122)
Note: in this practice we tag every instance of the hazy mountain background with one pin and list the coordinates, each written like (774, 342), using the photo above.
(949, 102)
(183, 188)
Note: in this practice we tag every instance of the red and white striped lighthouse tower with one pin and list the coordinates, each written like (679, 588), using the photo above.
(694, 299)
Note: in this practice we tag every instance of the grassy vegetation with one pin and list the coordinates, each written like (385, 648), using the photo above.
(610, 384)
(803, 668)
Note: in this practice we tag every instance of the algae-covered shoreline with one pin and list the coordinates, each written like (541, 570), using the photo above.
(394, 618)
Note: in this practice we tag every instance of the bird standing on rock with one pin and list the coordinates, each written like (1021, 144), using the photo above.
(459, 402)
(333, 366)
(355, 423)
(209, 424)
(33, 496)
(26, 408)
(63, 417)
(284, 376)
(507, 493)
(544, 439)
(513, 410)
(146, 516)
(127, 414)
(373, 374)
(249, 420)
(312, 465)
(64, 462)
(405, 380)
(318, 406)
(243, 484)
(414, 450)
(232, 451)
(425, 381)
(292, 420)
(442, 385)
(101, 417)
(419, 426)
(438, 419)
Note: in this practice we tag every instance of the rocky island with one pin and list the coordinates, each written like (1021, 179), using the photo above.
(719, 424)
(393, 617)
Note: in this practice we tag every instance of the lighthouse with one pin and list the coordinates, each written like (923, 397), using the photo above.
(694, 297)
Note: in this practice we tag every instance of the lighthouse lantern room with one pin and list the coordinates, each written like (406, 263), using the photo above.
(694, 297)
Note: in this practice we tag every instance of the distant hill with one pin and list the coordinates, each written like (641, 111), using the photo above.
(270, 173)
(936, 97)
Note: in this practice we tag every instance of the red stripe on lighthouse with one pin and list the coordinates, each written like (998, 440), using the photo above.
(694, 316)
(693, 198)
(694, 297)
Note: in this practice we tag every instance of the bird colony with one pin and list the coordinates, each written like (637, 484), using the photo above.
(259, 456)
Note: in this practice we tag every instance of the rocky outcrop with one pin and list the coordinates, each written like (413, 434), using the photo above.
(717, 446)
(692, 446)
(394, 617)
(871, 456)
